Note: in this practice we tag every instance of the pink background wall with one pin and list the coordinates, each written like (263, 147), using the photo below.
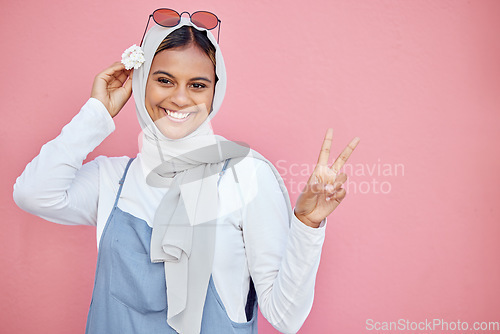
(418, 81)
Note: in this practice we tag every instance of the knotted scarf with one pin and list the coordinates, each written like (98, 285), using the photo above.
(184, 225)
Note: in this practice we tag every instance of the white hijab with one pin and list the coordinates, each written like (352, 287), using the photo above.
(183, 235)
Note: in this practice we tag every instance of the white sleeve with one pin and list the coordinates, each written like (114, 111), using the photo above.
(55, 186)
(283, 256)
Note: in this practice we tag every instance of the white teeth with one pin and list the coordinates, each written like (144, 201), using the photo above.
(178, 115)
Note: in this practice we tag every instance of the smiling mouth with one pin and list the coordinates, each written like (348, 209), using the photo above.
(176, 116)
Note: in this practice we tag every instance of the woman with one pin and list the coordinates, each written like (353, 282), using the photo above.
(206, 218)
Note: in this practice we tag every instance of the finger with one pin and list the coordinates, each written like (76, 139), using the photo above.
(332, 188)
(346, 153)
(341, 178)
(118, 79)
(110, 73)
(324, 154)
(116, 66)
(315, 188)
(128, 86)
(337, 197)
(327, 189)
(339, 181)
(121, 76)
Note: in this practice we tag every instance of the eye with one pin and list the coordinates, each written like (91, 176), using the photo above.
(198, 85)
(164, 81)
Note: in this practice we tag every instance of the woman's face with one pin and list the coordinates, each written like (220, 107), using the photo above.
(180, 90)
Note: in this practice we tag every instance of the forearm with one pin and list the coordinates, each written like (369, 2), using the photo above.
(288, 303)
(283, 255)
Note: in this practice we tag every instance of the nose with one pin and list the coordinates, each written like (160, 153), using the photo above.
(180, 97)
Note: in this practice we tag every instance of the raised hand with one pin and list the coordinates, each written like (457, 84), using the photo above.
(323, 191)
(112, 88)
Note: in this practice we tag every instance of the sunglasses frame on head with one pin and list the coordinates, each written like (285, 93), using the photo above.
(178, 17)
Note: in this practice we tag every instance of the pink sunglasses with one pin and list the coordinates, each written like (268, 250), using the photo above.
(167, 17)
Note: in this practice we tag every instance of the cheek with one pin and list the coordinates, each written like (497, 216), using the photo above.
(151, 100)
(150, 93)
(208, 100)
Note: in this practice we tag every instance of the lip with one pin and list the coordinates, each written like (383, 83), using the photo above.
(177, 120)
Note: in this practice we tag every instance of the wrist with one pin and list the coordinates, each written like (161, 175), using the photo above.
(306, 221)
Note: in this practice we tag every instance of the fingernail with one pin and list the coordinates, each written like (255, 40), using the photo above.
(329, 187)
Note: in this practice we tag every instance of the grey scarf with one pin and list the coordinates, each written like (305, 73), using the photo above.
(184, 226)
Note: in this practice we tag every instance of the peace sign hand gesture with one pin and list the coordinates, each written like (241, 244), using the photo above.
(323, 191)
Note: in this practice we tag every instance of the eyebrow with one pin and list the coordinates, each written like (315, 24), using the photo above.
(193, 79)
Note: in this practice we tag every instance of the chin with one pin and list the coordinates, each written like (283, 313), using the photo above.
(170, 131)
(173, 134)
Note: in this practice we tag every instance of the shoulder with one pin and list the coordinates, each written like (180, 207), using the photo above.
(253, 162)
(111, 168)
(255, 175)
(112, 163)
(252, 167)
(110, 171)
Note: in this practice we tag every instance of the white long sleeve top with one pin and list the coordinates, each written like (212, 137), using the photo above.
(254, 237)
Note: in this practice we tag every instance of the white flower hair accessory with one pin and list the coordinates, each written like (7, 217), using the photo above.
(133, 57)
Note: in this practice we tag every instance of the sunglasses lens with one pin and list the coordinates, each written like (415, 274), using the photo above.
(166, 17)
(205, 20)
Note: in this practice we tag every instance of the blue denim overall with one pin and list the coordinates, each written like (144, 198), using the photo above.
(129, 291)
